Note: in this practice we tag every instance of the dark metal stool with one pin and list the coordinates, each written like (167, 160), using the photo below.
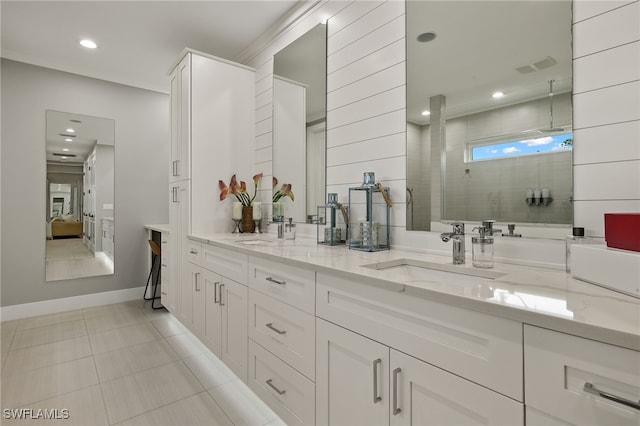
(156, 252)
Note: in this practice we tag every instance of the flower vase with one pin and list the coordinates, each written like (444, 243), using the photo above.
(278, 210)
(248, 225)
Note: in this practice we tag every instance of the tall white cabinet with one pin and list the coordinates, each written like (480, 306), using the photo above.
(212, 135)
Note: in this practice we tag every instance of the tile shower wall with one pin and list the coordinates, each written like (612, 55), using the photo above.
(366, 64)
(497, 188)
(606, 61)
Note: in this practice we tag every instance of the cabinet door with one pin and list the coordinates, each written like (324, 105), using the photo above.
(179, 227)
(180, 120)
(351, 378)
(422, 394)
(190, 275)
(212, 312)
(234, 301)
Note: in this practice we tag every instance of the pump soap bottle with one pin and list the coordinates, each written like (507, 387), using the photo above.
(482, 249)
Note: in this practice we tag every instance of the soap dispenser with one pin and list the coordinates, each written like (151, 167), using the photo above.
(482, 249)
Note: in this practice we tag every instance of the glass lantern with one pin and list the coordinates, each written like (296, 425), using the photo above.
(332, 222)
(369, 208)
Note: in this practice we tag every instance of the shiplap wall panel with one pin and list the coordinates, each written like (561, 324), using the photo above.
(621, 26)
(372, 106)
(585, 9)
(264, 84)
(615, 142)
(264, 126)
(385, 169)
(349, 14)
(609, 68)
(377, 17)
(622, 181)
(609, 105)
(368, 44)
(386, 124)
(379, 60)
(590, 214)
(264, 98)
(386, 146)
(381, 81)
(263, 112)
(607, 113)
(263, 155)
(263, 141)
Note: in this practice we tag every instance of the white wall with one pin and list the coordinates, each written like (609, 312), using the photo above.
(366, 110)
(141, 155)
(606, 102)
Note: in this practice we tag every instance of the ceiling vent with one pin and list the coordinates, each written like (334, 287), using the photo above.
(538, 65)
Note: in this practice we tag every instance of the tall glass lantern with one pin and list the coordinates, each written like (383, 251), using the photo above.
(333, 220)
(369, 208)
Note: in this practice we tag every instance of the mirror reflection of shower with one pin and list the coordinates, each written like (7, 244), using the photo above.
(80, 224)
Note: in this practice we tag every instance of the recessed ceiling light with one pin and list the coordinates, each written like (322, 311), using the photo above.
(68, 140)
(497, 95)
(65, 149)
(425, 112)
(426, 37)
(89, 44)
(70, 130)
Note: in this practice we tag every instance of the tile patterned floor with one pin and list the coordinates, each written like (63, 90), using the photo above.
(121, 364)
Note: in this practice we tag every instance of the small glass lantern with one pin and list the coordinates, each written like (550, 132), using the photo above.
(332, 222)
(369, 208)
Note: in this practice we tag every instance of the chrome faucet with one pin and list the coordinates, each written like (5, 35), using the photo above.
(490, 230)
(458, 242)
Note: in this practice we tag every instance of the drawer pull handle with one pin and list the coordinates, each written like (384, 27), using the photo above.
(193, 251)
(272, 386)
(273, 280)
(196, 281)
(376, 398)
(221, 290)
(215, 292)
(590, 388)
(270, 325)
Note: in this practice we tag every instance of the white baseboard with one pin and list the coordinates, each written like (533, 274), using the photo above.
(54, 306)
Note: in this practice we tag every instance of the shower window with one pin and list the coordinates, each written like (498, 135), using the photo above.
(517, 147)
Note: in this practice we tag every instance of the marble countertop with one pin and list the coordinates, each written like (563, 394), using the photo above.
(537, 296)
(160, 228)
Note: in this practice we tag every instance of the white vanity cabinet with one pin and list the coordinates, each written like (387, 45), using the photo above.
(179, 208)
(282, 332)
(572, 380)
(361, 381)
(220, 304)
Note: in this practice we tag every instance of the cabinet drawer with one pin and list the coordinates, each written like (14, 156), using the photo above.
(284, 330)
(560, 367)
(226, 263)
(287, 392)
(289, 284)
(193, 252)
(479, 347)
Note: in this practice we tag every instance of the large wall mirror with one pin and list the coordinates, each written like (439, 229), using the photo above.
(80, 196)
(299, 123)
(489, 132)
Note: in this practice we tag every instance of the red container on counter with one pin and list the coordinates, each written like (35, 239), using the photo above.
(622, 230)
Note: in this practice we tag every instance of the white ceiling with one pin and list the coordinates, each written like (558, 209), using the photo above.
(138, 40)
(478, 46)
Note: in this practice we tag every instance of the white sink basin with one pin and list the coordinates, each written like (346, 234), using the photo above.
(257, 241)
(417, 270)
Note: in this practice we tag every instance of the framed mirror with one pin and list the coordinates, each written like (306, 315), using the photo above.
(489, 115)
(299, 123)
(80, 196)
